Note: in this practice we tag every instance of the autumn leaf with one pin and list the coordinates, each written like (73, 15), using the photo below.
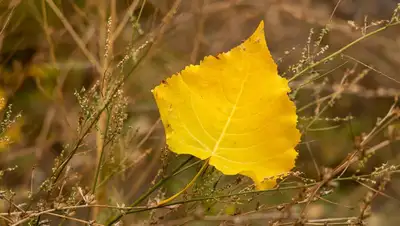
(233, 110)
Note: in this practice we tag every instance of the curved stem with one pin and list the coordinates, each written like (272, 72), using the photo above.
(178, 170)
(203, 168)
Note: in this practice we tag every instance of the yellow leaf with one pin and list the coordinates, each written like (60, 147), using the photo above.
(234, 110)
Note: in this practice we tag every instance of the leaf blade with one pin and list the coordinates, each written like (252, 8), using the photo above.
(234, 110)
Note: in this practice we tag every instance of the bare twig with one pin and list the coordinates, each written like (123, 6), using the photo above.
(124, 20)
(75, 36)
(74, 219)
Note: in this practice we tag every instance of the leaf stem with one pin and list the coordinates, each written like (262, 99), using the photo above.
(203, 168)
(178, 170)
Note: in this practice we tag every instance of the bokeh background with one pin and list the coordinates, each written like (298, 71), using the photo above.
(42, 65)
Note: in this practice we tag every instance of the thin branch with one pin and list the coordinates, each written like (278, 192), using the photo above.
(74, 219)
(378, 192)
(7, 20)
(371, 68)
(75, 36)
(124, 20)
(344, 48)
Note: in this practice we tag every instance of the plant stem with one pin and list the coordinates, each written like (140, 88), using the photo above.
(327, 58)
(254, 192)
(221, 196)
(101, 155)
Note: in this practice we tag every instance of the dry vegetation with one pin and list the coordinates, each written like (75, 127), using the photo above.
(80, 138)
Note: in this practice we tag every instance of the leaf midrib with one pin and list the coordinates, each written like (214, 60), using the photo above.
(228, 122)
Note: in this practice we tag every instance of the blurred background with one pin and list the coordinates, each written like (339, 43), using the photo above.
(51, 49)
